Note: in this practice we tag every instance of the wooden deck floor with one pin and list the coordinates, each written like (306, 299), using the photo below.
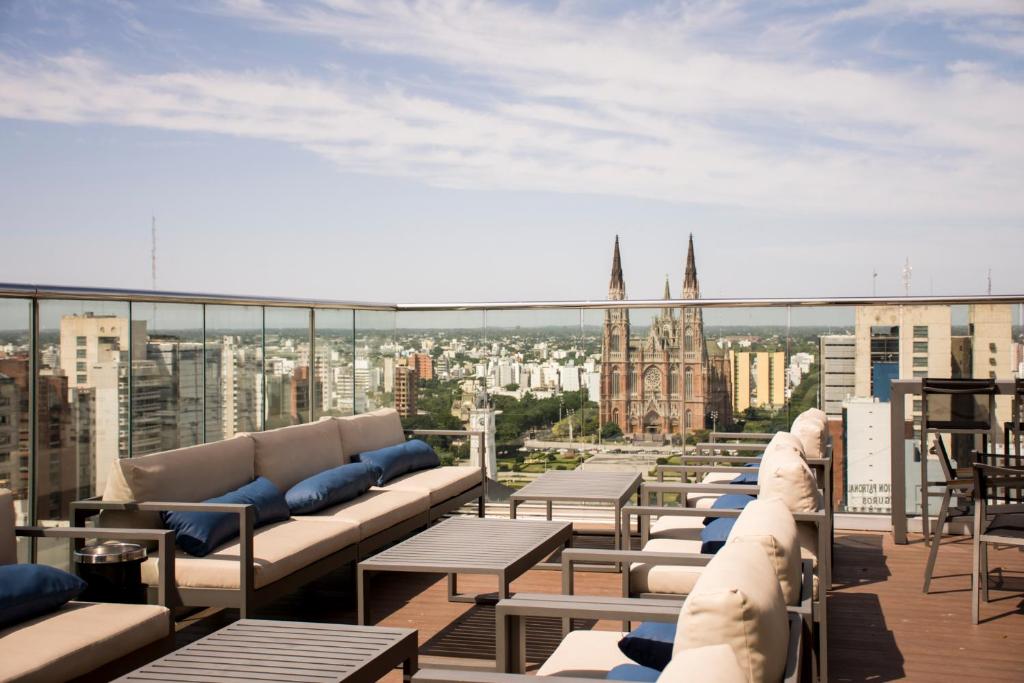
(882, 627)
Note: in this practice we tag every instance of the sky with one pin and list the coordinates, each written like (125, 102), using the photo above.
(448, 150)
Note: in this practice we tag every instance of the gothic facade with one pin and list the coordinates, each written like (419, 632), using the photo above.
(669, 381)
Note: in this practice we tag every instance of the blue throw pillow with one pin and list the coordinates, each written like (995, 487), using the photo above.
(30, 590)
(745, 478)
(198, 533)
(394, 461)
(714, 535)
(632, 672)
(330, 487)
(730, 501)
(650, 645)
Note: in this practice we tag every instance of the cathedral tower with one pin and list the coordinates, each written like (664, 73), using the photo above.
(615, 349)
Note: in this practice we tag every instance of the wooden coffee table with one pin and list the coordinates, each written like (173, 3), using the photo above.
(264, 650)
(468, 545)
(586, 486)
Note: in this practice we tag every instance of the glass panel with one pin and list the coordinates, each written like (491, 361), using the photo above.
(15, 413)
(375, 353)
(287, 366)
(336, 377)
(234, 347)
(170, 372)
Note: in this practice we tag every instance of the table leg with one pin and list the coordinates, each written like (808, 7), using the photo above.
(618, 526)
(503, 587)
(411, 665)
(511, 644)
(453, 586)
(362, 599)
(512, 504)
(549, 510)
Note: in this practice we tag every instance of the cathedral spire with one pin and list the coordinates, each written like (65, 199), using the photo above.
(617, 286)
(691, 289)
(667, 312)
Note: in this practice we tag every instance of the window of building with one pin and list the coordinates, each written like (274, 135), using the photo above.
(613, 344)
(920, 373)
(81, 379)
(80, 353)
(615, 382)
(921, 331)
(80, 341)
(992, 374)
(688, 340)
(673, 381)
(688, 385)
(992, 347)
(633, 386)
(920, 347)
(917, 405)
(920, 361)
(689, 418)
(991, 361)
(80, 366)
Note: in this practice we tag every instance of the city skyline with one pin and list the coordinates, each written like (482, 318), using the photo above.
(510, 142)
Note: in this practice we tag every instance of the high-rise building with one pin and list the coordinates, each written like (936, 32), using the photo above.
(770, 391)
(670, 382)
(740, 364)
(405, 388)
(837, 353)
(423, 364)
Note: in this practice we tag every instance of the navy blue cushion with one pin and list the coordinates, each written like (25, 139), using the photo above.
(713, 536)
(394, 461)
(330, 487)
(730, 501)
(649, 644)
(632, 672)
(30, 590)
(745, 478)
(198, 533)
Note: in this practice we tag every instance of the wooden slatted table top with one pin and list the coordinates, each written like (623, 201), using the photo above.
(581, 485)
(264, 650)
(470, 544)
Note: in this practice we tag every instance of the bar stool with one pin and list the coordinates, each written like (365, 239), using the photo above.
(951, 406)
(1014, 427)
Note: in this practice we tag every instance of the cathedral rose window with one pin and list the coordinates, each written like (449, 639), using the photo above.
(652, 381)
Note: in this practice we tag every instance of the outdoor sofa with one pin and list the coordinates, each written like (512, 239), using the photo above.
(53, 640)
(265, 562)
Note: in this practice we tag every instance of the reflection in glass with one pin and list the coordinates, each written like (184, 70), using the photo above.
(287, 377)
(234, 349)
(15, 350)
(375, 355)
(336, 376)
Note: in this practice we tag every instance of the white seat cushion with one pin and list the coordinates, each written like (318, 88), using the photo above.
(278, 550)
(710, 664)
(439, 483)
(697, 499)
(655, 578)
(585, 654)
(375, 510)
(737, 602)
(78, 638)
(678, 527)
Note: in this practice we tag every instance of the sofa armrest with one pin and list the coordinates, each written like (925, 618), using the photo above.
(573, 556)
(163, 537)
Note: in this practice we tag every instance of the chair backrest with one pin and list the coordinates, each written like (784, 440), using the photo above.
(8, 544)
(992, 485)
(958, 403)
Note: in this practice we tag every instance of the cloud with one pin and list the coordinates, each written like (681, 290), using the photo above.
(659, 104)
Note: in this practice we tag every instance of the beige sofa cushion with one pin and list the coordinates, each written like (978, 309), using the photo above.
(585, 654)
(784, 474)
(697, 499)
(769, 523)
(816, 414)
(439, 483)
(370, 431)
(171, 476)
(375, 510)
(678, 527)
(8, 543)
(737, 602)
(288, 455)
(812, 435)
(78, 638)
(674, 580)
(709, 664)
(278, 550)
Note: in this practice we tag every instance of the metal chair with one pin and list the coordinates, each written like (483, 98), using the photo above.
(951, 406)
(1014, 427)
(994, 521)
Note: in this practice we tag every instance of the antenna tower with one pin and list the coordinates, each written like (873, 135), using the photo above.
(152, 252)
(907, 271)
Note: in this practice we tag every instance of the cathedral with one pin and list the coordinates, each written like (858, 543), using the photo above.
(668, 382)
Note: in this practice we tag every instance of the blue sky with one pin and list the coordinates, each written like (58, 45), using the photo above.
(449, 150)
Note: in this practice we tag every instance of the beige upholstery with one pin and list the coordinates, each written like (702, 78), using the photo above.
(816, 414)
(785, 441)
(8, 543)
(812, 435)
(375, 510)
(706, 500)
(654, 578)
(737, 602)
(769, 523)
(585, 654)
(784, 474)
(278, 550)
(171, 476)
(710, 664)
(678, 527)
(439, 483)
(288, 455)
(77, 639)
(370, 431)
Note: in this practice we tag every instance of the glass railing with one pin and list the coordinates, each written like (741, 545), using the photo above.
(90, 376)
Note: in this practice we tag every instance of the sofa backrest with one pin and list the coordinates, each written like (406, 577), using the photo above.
(769, 523)
(288, 455)
(369, 431)
(184, 475)
(8, 544)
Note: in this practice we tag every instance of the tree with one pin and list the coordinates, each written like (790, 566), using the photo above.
(512, 387)
(610, 430)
